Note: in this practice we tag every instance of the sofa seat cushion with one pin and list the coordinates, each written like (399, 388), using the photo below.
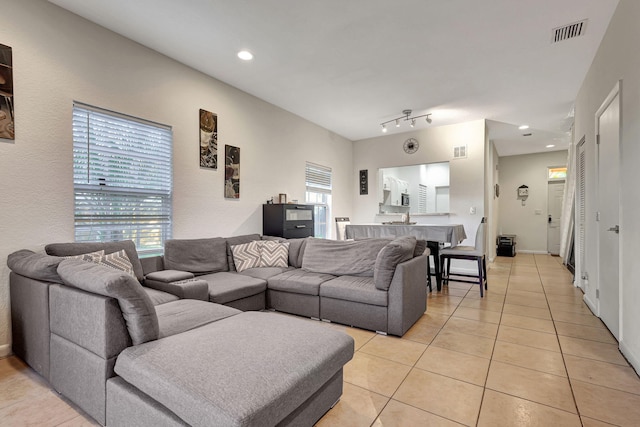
(265, 273)
(299, 281)
(249, 369)
(186, 314)
(357, 289)
(159, 297)
(225, 287)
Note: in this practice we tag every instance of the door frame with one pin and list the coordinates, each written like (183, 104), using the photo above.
(616, 91)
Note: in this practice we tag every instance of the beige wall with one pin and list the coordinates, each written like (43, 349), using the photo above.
(59, 57)
(617, 59)
(523, 221)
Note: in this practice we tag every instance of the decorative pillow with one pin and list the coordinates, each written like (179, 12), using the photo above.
(274, 254)
(118, 260)
(246, 255)
(78, 248)
(397, 251)
(90, 257)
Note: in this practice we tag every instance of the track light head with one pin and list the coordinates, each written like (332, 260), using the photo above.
(429, 118)
(384, 128)
(397, 123)
(413, 122)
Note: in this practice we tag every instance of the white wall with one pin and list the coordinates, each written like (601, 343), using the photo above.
(59, 57)
(617, 58)
(467, 183)
(530, 170)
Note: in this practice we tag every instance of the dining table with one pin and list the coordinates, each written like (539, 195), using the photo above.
(436, 235)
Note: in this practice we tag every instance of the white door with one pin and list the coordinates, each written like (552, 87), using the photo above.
(608, 129)
(554, 207)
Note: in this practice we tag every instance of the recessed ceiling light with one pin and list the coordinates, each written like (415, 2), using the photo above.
(245, 55)
(550, 146)
(523, 127)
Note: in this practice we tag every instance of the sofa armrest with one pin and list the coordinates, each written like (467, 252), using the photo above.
(407, 295)
(179, 283)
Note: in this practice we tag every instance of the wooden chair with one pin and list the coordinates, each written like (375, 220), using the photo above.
(474, 253)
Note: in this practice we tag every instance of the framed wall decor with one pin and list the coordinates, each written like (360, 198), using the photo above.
(231, 172)
(282, 198)
(208, 140)
(7, 117)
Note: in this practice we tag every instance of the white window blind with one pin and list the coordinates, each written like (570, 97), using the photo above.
(422, 198)
(318, 178)
(318, 183)
(122, 179)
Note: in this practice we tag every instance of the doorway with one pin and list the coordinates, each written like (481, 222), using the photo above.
(608, 217)
(555, 195)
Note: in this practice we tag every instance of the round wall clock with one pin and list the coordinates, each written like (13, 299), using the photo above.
(411, 145)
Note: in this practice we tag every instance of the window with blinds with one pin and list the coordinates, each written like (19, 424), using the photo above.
(122, 179)
(318, 185)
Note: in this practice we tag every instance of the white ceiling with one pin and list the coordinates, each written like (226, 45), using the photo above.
(349, 65)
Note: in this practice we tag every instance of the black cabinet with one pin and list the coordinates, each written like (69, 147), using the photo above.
(287, 220)
(506, 245)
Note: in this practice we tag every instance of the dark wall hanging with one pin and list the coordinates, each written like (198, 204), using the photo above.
(208, 140)
(231, 172)
(7, 119)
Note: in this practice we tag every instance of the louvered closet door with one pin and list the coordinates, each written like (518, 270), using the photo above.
(580, 211)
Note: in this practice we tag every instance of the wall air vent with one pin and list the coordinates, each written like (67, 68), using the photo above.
(568, 31)
(460, 152)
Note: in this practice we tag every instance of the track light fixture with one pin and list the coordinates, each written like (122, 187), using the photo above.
(406, 117)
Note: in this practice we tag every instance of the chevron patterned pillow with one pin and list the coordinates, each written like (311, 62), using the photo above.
(274, 254)
(90, 257)
(120, 261)
(246, 255)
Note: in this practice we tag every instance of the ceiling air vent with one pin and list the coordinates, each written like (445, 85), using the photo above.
(568, 31)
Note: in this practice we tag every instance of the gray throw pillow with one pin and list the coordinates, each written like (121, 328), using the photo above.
(35, 265)
(136, 306)
(342, 257)
(397, 251)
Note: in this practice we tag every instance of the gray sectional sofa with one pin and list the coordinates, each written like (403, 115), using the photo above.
(185, 339)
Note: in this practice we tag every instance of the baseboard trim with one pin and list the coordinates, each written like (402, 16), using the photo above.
(592, 306)
(524, 251)
(631, 357)
(5, 350)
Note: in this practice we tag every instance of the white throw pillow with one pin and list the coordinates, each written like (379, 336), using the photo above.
(246, 255)
(120, 261)
(274, 254)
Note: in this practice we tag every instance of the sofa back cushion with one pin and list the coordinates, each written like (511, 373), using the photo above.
(342, 257)
(238, 240)
(35, 265)
(198, 256)
(78, 248)
(397, 251)
(136, 306)
(296, 251)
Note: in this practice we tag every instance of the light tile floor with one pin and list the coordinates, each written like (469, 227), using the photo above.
(529, 353)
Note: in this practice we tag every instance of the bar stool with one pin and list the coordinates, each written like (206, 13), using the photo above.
(475, 253)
